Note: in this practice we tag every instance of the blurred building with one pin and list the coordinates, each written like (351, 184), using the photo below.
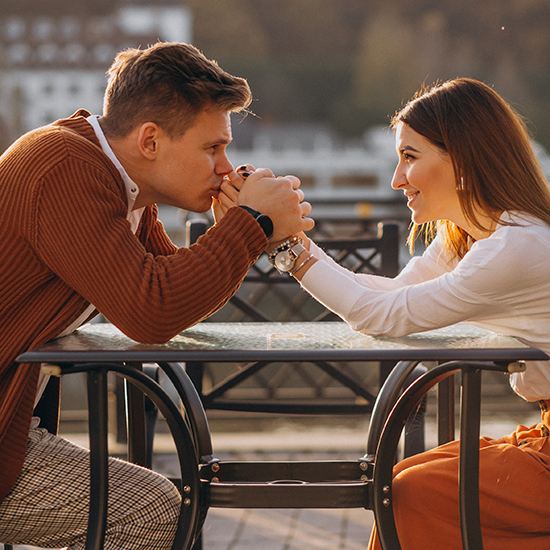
(331, 169)
(52, 66)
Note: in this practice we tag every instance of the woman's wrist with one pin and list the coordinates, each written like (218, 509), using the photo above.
(272, 245)
(303, 263)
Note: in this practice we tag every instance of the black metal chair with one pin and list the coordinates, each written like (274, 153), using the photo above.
(385, 439)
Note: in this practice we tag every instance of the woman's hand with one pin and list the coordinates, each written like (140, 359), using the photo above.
(229, 191)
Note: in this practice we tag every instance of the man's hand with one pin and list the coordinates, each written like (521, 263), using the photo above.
(279, 198)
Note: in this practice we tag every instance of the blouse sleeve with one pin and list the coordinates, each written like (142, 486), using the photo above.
(429, 294)
(428, 266)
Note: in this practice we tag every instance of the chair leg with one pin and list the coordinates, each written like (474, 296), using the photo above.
(98, 430)
(151, 413)
(414, 441)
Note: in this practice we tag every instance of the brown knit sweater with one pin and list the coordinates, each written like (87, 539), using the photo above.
(65, 243)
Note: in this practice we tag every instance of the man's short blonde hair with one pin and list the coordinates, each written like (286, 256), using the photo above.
(168, 84)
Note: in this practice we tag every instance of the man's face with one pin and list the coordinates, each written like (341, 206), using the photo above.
(190, 168)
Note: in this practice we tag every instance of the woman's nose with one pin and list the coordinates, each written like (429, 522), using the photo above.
(399, 178)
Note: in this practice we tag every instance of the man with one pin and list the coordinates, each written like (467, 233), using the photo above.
(80, 235)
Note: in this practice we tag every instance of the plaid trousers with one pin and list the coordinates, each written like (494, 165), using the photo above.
(48, 505)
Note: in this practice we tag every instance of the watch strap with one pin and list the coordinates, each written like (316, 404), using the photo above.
(263, 220)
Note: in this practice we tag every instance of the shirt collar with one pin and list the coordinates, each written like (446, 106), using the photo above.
(132, 189)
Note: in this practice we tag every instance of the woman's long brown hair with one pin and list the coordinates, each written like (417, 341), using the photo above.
(495, 167)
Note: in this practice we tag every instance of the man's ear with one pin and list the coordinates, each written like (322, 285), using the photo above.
(147, 140)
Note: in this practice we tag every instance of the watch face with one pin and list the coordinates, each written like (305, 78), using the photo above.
(285, 260)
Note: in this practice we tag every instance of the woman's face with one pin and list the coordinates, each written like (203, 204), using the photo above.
(425, 174)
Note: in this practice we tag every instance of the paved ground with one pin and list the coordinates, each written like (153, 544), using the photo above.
(287, 529)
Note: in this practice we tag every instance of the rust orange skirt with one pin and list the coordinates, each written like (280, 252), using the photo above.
(514, 481)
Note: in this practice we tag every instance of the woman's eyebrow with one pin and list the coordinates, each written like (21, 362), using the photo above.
(408, 148)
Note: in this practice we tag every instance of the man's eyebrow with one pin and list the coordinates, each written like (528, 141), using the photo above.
(222, 141)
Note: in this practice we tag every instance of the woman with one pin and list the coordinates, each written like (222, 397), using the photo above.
(473, 184)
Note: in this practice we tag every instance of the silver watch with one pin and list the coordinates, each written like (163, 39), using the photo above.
(284, 256)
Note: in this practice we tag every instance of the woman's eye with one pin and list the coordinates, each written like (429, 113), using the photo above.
(406, 155)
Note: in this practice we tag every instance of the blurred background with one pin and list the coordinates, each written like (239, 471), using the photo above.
(326, 74)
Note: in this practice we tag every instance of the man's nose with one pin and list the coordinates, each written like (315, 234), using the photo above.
(224, 166)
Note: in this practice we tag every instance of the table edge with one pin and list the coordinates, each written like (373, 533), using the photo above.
(227, 356)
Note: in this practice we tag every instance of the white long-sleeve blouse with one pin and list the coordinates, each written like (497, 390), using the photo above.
(502, 284)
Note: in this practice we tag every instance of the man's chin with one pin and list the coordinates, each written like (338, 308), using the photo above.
(201, 209)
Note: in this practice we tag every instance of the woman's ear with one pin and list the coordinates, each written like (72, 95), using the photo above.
(147, 140)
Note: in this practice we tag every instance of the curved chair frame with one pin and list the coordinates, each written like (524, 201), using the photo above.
(381, 496)
(184, 440)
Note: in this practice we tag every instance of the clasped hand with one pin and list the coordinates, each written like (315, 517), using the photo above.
(280, 198)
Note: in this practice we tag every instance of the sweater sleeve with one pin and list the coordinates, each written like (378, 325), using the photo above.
(80, 232)
(151, 232)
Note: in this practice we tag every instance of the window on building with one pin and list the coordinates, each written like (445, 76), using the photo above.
(47, 52)
(43, 28)
(19, 53)
(74, 52)
(70, 27)
(14, 28)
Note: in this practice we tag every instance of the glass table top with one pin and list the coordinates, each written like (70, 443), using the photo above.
(283, 341)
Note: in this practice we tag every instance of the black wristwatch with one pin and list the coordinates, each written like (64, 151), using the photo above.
(265, 221)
